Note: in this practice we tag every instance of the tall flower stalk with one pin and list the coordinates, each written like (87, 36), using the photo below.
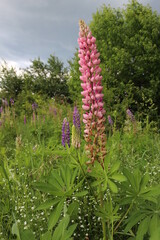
(65, 133)
(91, 78)
(76, 129)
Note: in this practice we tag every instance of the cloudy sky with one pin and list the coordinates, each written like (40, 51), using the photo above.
(38, 28)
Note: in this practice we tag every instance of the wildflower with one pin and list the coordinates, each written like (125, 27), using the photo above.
(76, 118)
(130, 115)
(76, 129)
(110, 120)
(1, 109)
(4, 102)
(34, 106)
(65, 133)
(11, 101)
(25, 120)
(93, 117)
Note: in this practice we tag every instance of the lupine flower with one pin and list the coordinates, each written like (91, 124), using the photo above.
(55, 111)
(110, 120)
(65, 133)
(93, 117)
(76, 118)
(34, 106)
(76, 140)
(12, 101)
(5, 102)
(1, 109)
(76, 129)
(25, 120)
(130, 115)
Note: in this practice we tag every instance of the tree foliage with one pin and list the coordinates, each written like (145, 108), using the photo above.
(48, 78)
(11, 84)
(129, 43)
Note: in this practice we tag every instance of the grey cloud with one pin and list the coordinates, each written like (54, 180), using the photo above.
(29, 29)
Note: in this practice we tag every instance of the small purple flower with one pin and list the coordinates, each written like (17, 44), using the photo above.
(65, 133)
(34, 106)
(12, 101)
(55, 111)
(1, 109)
(25, 120)
(4, 102)
(130, 115)
(76, 119)
(110, 120)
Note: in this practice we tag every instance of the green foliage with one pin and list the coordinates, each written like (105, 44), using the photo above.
(71, 202)
(49, 78)
(11, 84)
(129, 46)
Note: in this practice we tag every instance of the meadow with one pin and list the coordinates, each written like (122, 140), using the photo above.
(47, 193)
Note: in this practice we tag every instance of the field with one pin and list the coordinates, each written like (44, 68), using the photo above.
(46, 191)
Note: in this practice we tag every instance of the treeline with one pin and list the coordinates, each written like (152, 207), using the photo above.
(129, 43)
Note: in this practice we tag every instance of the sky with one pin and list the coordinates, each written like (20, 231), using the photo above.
(37, 28)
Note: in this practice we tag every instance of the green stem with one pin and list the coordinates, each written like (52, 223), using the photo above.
(123, 217)
(103, 222)
(90, 187)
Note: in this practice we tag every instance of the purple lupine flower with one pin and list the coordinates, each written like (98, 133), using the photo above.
(25, 120)
(1, 109)
(130, 115)
(34, 106)
(5, 102)
(76, 119)
(55, 111)
(110, 120)
(65, 133)
(11, 101)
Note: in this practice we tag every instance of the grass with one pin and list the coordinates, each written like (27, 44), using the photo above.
(29, 152)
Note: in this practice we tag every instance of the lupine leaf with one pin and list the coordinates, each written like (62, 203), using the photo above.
(55, 215)
(143, 228)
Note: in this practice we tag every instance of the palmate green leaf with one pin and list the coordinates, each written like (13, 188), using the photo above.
(154, 226)
(70, 230)
(143, 228)
(48, 204)
(137, 179)
(96, 183)
(15, 230)
(55, 215)
(131, 180)
(144, 181)
(155, 235)
(46, 236)
(27, 235)
(118, 177)
(115, 167)
(112, 186)
(60, 229)
(133, 220)
(126, 200)
(48, 188)
(55, 177)
(73, 208)
(81, 194)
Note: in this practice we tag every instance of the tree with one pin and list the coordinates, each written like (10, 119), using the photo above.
(11, 84)
(129, 43)
(48, 78)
